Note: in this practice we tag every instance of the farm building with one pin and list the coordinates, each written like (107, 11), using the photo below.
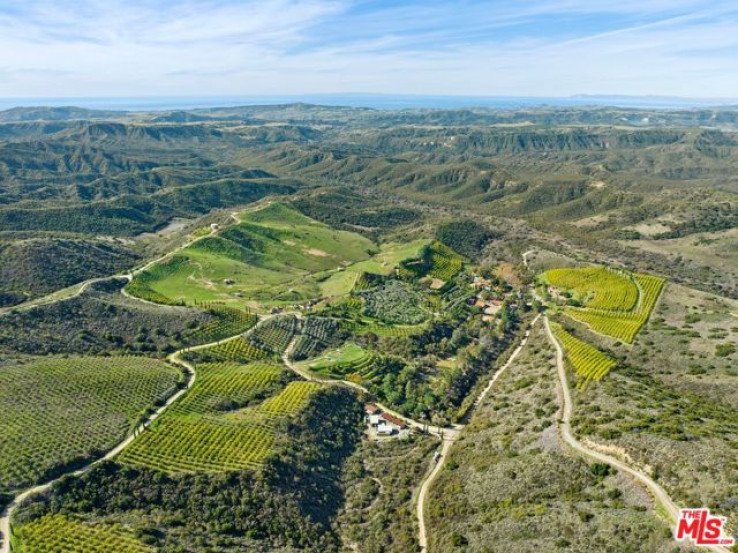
(384, 424)
(393, 421)
(385, 430)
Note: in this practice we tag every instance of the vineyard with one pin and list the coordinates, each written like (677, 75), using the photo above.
(317, 334)
(363, 327)
(437, 261)
(619, 324)
(229, 386)
(227, 322)
(291, 401)
(62, 411)
(445, 262)
(237, 349)
(59, 534)
(599, 287)
(226, 422)
(274, 335)
(589, 363)
(365, 281)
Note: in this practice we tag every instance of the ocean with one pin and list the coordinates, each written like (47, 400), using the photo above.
(378, 101)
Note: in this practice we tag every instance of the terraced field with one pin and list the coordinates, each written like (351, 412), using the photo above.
(60, 411)
(227, 421)
(589, 363)
(59, 534)
(315, 335)
(445, 262)
(275, 334)
(341, 362)
(367, 327)
(436, 261)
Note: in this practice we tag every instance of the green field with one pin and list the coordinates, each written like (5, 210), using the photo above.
(227, 421)
(340, 362)
(390, 256)
(61, 411)
(59, 534)
(273, 255)
(616, 304)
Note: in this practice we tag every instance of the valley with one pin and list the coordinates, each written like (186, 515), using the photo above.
(199, 319)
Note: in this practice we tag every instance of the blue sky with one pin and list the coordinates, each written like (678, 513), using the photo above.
(280, 47)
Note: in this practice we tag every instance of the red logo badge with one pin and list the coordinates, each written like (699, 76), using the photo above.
(702, 528)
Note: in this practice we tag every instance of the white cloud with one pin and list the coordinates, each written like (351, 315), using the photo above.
(538, 48)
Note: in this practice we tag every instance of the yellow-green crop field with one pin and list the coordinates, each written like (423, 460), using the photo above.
(59, 534)
(588, 362)
(616, 304)
(601, 288)
(227, 421)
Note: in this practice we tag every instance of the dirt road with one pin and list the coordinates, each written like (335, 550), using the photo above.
(565, 428)
(446, 447)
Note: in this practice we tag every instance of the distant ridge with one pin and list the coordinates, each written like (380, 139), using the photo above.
(361, 100)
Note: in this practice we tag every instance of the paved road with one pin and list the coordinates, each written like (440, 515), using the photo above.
(565, 428)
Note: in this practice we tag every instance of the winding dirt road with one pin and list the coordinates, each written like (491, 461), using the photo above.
(565, 429)
(7, 514)
(175, 359)
(442, 432)
(446, 447)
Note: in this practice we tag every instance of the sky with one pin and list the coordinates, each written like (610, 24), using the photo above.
(546, 48)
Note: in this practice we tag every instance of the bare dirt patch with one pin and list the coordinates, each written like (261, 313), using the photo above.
(507, 272)
(590, 221)
(318, 253)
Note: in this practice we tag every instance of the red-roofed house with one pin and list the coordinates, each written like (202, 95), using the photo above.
(394, 421)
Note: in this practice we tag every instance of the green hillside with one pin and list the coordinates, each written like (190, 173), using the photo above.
(275, 254)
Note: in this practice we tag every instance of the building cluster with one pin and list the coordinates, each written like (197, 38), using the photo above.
(489, 297)
(306, 306)
(384, 424)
